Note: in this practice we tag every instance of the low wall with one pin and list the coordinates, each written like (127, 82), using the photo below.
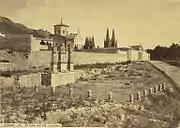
(30, 80)
(43, 58)
(135, 55)
(90, 57)
(37, 59)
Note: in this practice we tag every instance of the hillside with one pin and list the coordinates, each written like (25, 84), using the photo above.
(7, 26)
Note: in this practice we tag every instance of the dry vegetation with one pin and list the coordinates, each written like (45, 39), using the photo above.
(161, 110)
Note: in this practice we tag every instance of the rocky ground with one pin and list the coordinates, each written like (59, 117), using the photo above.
(159, 110)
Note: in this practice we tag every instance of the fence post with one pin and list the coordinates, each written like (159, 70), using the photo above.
(163, 86)
(160, 87)
(131, 98)
(138, 96)
(155, 89)
(150, 90)
(144, 93)
(89, 94)
(110, 96)
(70, 91)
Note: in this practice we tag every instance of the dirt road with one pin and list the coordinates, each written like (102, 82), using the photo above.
(171, 71)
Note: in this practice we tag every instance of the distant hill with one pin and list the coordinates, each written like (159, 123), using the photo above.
(7, 26)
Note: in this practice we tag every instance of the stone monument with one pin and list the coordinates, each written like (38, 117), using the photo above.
(61, 59)
(61, 68)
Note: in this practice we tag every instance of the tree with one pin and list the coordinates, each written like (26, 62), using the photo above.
(165, 53)
(93, 42)
(86, 44)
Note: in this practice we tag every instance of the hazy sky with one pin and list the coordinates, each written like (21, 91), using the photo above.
(149, 22)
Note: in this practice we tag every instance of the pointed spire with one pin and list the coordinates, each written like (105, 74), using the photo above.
(61, 20)
(107, 36)
(113, 40)
(93, 42)
(78, 30)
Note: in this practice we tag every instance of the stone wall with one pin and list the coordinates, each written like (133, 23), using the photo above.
(43, 58)
(57, 79)
(39, 58)
(134, 55)
(90, 57)
(30, 80)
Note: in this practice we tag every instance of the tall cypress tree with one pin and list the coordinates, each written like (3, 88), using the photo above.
(86, 44)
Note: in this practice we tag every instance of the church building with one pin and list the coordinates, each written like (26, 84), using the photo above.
(110, 43)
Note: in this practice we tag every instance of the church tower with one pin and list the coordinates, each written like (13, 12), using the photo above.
(61, 29)
(113, 40)
(107, 40)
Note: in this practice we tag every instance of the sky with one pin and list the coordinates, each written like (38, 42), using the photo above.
(146, 22)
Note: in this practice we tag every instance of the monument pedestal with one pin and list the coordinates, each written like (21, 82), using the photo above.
(58, 79)
(62, 66)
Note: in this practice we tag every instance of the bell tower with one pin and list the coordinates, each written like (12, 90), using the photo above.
(61, 29)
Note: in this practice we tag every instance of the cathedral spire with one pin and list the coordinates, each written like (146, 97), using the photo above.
(107, 35)
(61, 20)
(113, 40)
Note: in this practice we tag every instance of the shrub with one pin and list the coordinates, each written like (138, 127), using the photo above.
(5, 61)
(6, 74)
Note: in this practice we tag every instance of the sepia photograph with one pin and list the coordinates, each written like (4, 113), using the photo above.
(90, 63)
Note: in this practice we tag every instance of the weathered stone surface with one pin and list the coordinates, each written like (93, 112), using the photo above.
(57, 79)
(30, 80)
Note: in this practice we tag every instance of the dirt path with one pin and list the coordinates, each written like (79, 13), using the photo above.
(171, 71)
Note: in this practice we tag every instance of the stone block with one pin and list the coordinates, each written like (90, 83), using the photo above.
(58, 79)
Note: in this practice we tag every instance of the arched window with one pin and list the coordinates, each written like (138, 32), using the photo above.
(64, 31)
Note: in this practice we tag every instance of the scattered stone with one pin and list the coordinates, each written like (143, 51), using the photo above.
(171, 90)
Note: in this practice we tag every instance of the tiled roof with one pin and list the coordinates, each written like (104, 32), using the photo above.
(64, 25)
(137, 47)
